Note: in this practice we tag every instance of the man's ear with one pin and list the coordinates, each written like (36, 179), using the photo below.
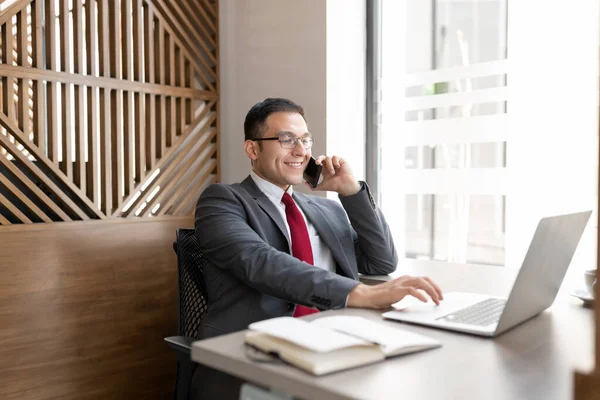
(251, 149)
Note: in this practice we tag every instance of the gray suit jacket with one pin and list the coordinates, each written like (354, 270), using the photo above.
(249, 272)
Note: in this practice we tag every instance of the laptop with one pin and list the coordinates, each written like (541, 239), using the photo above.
(535, 288)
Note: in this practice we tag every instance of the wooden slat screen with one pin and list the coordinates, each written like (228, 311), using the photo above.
(108, 108)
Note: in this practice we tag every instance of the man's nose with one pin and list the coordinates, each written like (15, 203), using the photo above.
(299, 150)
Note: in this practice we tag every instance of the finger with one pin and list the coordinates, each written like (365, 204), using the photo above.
(430, 290)
(414, 292)
(402, 279)
(328, 166)
(422, 284)
(337, 162)
(320, 159)
(435, 286)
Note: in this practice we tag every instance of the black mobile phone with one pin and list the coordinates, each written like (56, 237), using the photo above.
(312, 173)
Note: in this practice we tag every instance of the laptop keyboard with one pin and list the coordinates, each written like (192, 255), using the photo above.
(484, 313)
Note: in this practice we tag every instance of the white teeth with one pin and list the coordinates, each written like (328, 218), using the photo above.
(294, 164)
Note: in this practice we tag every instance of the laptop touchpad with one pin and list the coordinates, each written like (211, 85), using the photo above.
(410, 306)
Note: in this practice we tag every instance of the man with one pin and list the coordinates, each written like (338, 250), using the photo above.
(272, 252)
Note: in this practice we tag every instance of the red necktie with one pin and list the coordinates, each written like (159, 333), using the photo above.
(301, 248)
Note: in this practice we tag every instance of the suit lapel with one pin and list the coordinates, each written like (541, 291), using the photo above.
(313, 214)
(326, 232)
(267, 205)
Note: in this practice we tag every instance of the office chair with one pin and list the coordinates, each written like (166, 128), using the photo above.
(192, 306)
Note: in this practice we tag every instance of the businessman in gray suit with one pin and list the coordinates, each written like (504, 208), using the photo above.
(250, 269)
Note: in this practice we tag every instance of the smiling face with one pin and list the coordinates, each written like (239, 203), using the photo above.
(281, 167)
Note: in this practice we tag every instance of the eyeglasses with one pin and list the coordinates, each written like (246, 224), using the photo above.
(291, 141)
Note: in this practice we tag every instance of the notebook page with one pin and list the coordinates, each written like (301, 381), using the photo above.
(310, 336)
(316, 363)
(390, 339)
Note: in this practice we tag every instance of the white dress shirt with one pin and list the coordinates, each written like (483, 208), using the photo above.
(321, 253)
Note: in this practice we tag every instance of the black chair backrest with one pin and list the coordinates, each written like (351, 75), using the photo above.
(193, 303)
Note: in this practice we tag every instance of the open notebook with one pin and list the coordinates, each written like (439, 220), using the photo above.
(335, 343)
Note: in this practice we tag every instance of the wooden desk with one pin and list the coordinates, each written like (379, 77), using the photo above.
(535, 360)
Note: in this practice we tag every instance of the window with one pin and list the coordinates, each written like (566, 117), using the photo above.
(474, 143)
(450, 141)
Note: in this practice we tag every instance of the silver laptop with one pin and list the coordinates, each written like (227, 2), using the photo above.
(535, 288)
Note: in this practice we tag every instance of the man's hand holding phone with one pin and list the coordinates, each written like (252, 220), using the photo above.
(337, 176)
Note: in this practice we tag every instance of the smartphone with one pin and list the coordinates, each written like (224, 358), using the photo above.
(312, 173)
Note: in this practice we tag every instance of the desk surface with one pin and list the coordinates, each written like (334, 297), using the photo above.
(534, 360)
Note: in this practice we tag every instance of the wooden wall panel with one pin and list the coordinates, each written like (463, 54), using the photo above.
(84, 307)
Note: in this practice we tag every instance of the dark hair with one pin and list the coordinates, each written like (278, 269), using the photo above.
(258, 114)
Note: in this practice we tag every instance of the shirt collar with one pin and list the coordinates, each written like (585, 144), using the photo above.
(272, 191)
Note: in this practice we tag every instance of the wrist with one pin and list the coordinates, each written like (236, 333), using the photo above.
(350, 189)
(359, 296)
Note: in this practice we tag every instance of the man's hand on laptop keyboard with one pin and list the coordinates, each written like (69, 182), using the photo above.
(385, 294)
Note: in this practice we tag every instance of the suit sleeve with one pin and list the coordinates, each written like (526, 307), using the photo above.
(230, 243)
(373, 243)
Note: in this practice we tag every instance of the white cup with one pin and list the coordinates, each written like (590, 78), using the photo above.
(590, 281)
